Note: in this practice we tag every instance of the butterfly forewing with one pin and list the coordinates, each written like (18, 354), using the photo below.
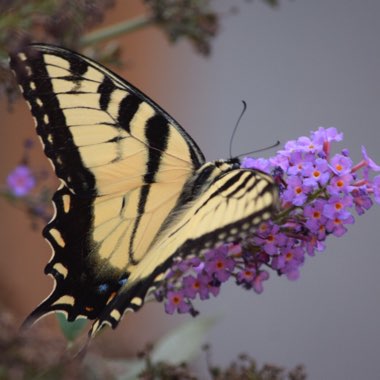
(122, 162)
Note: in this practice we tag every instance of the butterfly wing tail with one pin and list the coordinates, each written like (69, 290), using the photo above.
(39, 312)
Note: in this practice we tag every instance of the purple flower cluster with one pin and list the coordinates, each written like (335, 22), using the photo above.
(21, 181)
(26, 188)
(318, 193)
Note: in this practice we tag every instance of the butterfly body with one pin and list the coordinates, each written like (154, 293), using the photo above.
(135, 189)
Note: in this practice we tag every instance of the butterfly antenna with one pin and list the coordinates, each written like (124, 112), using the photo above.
(277, 143)
(236, 125)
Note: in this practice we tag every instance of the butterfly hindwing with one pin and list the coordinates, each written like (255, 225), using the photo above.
(135, 191)
(221, 203)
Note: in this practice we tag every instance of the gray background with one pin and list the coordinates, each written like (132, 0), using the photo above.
(307, 63)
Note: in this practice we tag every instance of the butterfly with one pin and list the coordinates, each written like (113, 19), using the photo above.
(135, 191)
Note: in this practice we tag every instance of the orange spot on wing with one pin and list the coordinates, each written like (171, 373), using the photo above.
(111, 297)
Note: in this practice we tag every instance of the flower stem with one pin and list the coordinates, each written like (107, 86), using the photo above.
(283, 215)
(116, 30)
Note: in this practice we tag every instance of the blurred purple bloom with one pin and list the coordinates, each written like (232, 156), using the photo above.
(337, 207)
(219, 264)
(315, 218)
(290, 257)
(317, 174)
(341, 184)
(208, 286)
(341, 164)
(185, 265)
(376, 188)
(290, 147)
(258, 281)
(21, 181)
(362, 200)
(256, 163)
(305, 144)
(191, 286)
(176, 302)
(371, 163)
(246, 277)
(293, 274)
(315, 243)
(323, 135)
(280, 161)
(296, 191)
(336, 225)
(203, 285)
(299, 164)
(270, 240)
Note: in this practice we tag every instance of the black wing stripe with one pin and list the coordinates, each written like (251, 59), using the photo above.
(220, 189)
(79, 179)
(127, 110)
(251, 182)
(78, 67)
(157, 134)
(105, 89)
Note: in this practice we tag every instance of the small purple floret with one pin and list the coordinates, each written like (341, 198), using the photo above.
(21, 181)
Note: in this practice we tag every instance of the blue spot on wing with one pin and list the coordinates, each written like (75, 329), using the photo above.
(103, 288)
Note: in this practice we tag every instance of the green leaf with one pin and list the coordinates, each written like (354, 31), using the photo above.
(70, 329)
(183, 343)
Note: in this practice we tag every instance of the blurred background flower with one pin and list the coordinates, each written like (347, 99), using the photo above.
(21, 181)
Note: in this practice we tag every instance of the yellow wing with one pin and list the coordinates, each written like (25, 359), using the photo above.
(135, 190)
(122, 161)
(223, 203)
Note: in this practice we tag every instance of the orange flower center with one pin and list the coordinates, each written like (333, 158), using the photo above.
(338, 167)
(288, 256)
(248, 273)
(316, 214)
(298, 190)
(316, 173)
